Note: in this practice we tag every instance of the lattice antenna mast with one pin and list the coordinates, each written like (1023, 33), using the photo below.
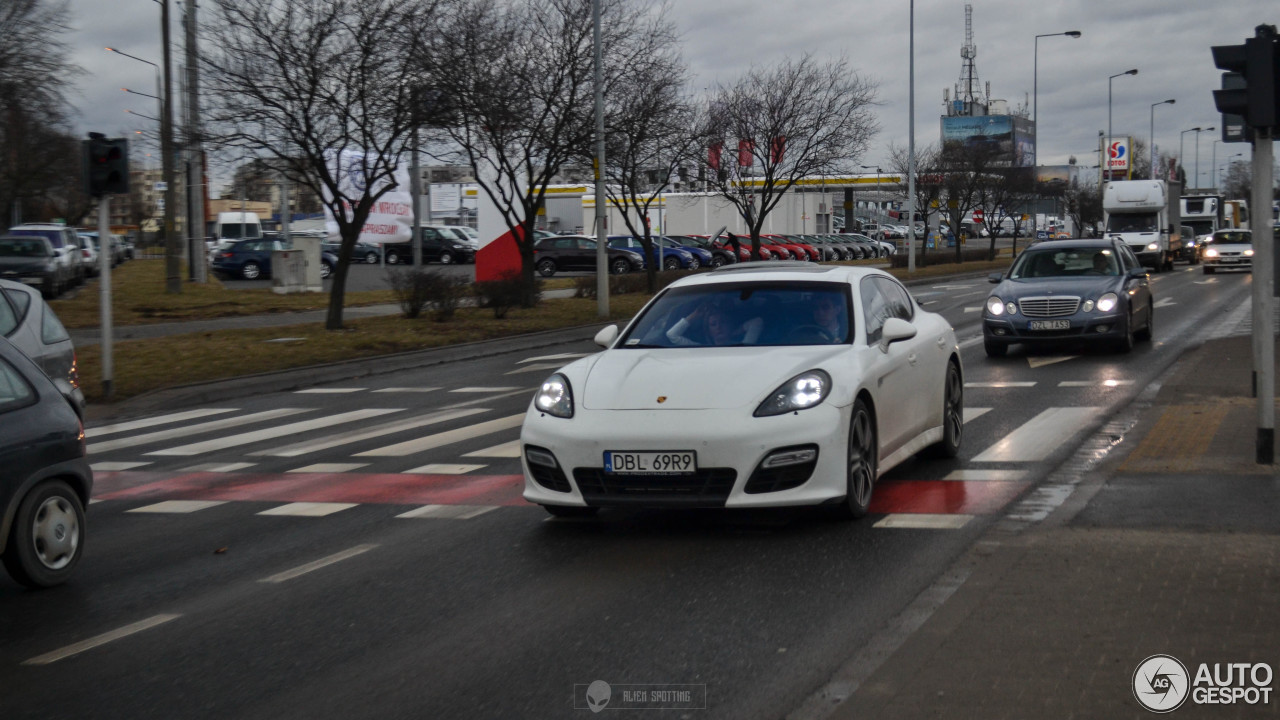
(969, 89)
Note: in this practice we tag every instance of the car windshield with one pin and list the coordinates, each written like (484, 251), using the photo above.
(1133, 223)
(745, 314)
(1065, 262)
(1233, 237)
(17, 247)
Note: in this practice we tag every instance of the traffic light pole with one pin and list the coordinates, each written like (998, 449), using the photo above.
(104, 293)
(1264, 303)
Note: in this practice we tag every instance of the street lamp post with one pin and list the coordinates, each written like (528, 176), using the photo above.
(1151, 149)
(1198, 153)
(1182, 138)
(911, 146)
(1107, 159)
(1035, 87)
(877, 201)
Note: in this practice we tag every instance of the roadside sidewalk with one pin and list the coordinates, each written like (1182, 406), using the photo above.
(1170, 545)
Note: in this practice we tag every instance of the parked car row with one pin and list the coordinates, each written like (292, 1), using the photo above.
(251, 259)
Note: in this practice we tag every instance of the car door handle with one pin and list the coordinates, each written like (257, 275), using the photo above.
(912, 358)
(942, 342)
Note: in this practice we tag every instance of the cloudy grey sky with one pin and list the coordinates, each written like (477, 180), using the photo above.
(1166, 40)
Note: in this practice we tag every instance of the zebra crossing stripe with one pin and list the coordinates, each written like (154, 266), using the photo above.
(178, 506)
(163, 435)
(448, 512)
(444, 469)
(116, 466)
(327, 391)
(1020, 384)
(1038, 437)
(508, 450)
(924, 521)
(217, 467)
(409, 447)
(93, 432)
(329, 468)
(354, 436)
(970, 413)
(308, 509)
(270, 433)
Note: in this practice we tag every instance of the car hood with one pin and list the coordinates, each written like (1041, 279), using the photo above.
(696, 378)
(1084, 286)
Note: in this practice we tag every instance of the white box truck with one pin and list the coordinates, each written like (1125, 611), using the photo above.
(1146, 216)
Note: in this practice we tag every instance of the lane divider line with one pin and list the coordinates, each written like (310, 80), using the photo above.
(317, 564)
(103, 639)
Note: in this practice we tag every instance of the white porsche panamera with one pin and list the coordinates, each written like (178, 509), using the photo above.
(756, 385)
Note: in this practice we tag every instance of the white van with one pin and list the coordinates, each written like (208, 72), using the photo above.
(237, 226)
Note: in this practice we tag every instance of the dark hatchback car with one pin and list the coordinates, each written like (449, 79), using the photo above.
(444, 248)
(47, 480)
(31, 260)
(577, 252)
(251, 259)
(1070, 291)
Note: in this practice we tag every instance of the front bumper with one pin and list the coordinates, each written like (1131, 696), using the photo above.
(35, 278)
(729, 447)
(1230, 262)
(1083, 327)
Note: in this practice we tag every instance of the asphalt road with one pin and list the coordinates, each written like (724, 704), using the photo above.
(361, 612)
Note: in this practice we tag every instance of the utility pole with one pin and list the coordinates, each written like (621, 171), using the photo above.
(602, 202)
(172, 244)
(1264, 302)
(195, 152)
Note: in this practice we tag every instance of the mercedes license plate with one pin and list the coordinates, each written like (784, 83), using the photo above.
(684, 462)
(1049, 325)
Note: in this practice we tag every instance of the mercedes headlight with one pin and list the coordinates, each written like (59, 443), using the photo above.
(1108, 302)
(555, 397)
(799, 393)
(995, 305)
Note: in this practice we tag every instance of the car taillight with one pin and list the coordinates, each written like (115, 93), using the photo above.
(226, 255)
(80, 438)
(73, 375)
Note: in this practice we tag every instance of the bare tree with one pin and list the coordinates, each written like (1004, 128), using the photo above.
(966, 171)
(1003, 197)
(928, 184)
(297, 82)
(778, 125)
(1084, 203)
(650, 137)
(518, 74)
(1238, 180)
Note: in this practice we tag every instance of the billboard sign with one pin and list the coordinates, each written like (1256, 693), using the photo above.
(1118, 152)
(1012, 138)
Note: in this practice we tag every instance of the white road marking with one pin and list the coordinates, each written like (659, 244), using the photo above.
(448, 512)
(231, 441)
(218, 467)
(406, 390)
(986, 475)
(973, 309)
(488, 399)
(153, 421)
(970, 413)
(560, 356)
(100, 640)
(329, 468)
(163, 435)
(1037, 438)
(505, 450)
(1210, 281)
(317, 564)
(924, 521)
(1093, 383)
(1021, 384)
(1165, 302)
(444, 469)
(952, 286)
(116, 466)
(483, 389)
(308, 509)
(328, 391)
(178, 506)
(930, 302)
(534, 368)
(331, 441)
(409, 447)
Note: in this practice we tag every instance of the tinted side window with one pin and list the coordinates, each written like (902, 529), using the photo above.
(899, 300)
(51, 330)
(875, 309)
(21, 302)
(15, 392)
(8, 316)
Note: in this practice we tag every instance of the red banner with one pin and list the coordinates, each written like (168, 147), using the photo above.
(713, 156)
(745, 148)
(777, 148)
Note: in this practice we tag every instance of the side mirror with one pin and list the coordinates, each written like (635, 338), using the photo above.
(995, 277)
(1138, 272)
(895, 329)
(606, 336)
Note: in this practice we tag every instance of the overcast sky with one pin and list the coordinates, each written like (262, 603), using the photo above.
(1166, 40)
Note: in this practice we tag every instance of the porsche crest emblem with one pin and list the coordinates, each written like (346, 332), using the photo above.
(662, 399)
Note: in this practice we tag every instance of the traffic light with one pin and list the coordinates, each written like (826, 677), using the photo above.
(106, 165)
(1249, 85)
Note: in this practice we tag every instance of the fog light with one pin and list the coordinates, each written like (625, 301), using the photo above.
(538, 456)
(783, 458)
(997, 331)
(1103, 328)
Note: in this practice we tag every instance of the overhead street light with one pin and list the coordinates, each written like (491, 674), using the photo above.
(1198, 151)
(142, 116)
(1035, 87)
(1182, 163)
(1152, 147)
(1109, 79)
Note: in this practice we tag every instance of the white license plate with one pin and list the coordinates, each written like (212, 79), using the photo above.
(1049, 325)
(683, 462)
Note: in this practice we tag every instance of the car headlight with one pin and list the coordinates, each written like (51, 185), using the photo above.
(555, 397)
(995, 305)
(1108, 302)
(1153, 246)
(799, 393)
(1210, 252)
(1248, 253)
